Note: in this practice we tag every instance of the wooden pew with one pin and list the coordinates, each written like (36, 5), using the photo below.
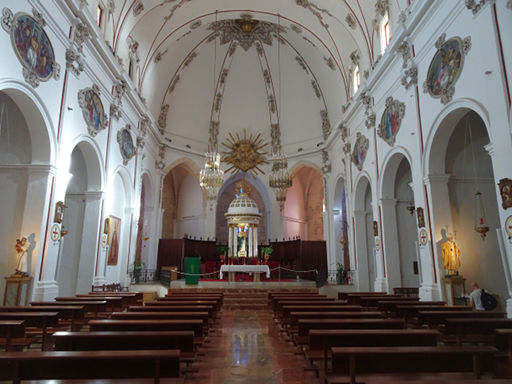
(435, 318)
(139, 296)
(322, 340)
(65, 312)
(203, 316)
(345, 295)
(109, 341)
(389, 306)
(503, 360)
(127, 299)
(39, 320)
(354, 297)
(294, 317)
(372, 301)
(353, 361)
(474, 330)
(172, 308)
(113, 303)
(305, 325)
(17, 366)
(285, 311)
(278, 302)
(148, 325)
(12, 334)
(406, 291)
(94, 306)
(408, 312)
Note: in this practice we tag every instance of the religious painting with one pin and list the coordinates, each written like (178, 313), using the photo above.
(505, 186)
(375, 228)
(446, 67)
(92, 109)
(31, 45)
(128, 150)
(114, 233)
(59, 212)
(391, 120)
(421, 217)
(360, 151)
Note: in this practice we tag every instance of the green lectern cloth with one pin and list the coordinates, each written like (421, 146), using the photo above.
(192, 266)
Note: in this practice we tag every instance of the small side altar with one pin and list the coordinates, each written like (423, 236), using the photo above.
(256, 269)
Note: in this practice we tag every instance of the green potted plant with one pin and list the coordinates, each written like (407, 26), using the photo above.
(340, 273)
(267, 251)
(222, 251)
(137, 265)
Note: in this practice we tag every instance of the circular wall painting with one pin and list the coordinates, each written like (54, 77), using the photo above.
(92, 110)
(124, 138)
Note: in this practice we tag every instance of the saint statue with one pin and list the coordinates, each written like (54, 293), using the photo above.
(451, 256)
(21, 250)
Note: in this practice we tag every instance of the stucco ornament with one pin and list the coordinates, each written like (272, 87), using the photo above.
(391, 120)
(446, 67)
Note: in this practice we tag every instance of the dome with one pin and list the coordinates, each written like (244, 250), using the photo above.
(243, 205)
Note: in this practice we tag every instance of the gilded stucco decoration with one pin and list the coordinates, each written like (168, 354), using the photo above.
(244, 153)
(326, 164)
(326, 124)
(349, 19)
(475, 6)
(138, 8)
(246, 31)
(410, 77)
(162, 118)
(446, 67)
(391, 120)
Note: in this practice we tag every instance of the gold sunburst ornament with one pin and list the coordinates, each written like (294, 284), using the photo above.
(244, 153)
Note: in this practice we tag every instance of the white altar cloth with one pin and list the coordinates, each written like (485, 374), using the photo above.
(245, 268)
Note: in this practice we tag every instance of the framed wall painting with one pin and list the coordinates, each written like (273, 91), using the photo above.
(114, 234)
(125, 141)
(446, 67)
(360, 151)
(31, 45)
(421, 217)
(505, 186)
(391, 120)
(92, 109)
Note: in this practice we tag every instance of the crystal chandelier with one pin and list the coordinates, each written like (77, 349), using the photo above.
(211, 177)
(279, 178)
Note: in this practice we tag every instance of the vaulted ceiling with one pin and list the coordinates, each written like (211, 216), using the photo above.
(203, 62)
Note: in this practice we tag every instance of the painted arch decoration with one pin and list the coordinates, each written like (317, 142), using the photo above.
(31, 45)
(126, 146)
(446, 67)
(92, 109)
(360, 151)
(391, 120)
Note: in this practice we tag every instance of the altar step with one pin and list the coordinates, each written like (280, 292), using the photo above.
(245, 300)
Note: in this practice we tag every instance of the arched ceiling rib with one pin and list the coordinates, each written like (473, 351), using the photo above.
(176, 45)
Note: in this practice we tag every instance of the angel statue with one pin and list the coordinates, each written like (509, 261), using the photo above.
(21, 250)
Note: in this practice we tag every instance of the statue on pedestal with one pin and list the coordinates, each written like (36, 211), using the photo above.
(21, 247)
(451, 256)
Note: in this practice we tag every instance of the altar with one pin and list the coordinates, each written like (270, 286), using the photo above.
(256, 269)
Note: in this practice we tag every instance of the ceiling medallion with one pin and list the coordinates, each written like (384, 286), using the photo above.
(244, 153)
(245, 30)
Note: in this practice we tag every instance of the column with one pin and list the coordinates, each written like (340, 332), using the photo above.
(235, 242)
(361, 264)
(255, 241)
(230, 242)
(249, 235)
(441, 218)
(37, 218)
(390, 242)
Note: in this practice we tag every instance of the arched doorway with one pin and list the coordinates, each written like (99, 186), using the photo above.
(25, 179)
(459, 155)
(341, 224)
(183, 204)
(364, 238)
(304, 205)
(77, 255)
(399, 223)
(226, 196)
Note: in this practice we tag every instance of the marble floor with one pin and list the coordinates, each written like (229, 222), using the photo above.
(247, 348)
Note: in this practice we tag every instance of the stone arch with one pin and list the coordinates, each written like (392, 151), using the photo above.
(399, 234)
(361, 181)
(26, 174)
(83, 196)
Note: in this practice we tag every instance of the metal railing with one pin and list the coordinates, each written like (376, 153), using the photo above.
(141, 276)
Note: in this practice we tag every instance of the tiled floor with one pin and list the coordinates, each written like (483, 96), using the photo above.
(247, 348)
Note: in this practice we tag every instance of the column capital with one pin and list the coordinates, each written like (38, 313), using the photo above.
(490, 149)
(437, 179)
